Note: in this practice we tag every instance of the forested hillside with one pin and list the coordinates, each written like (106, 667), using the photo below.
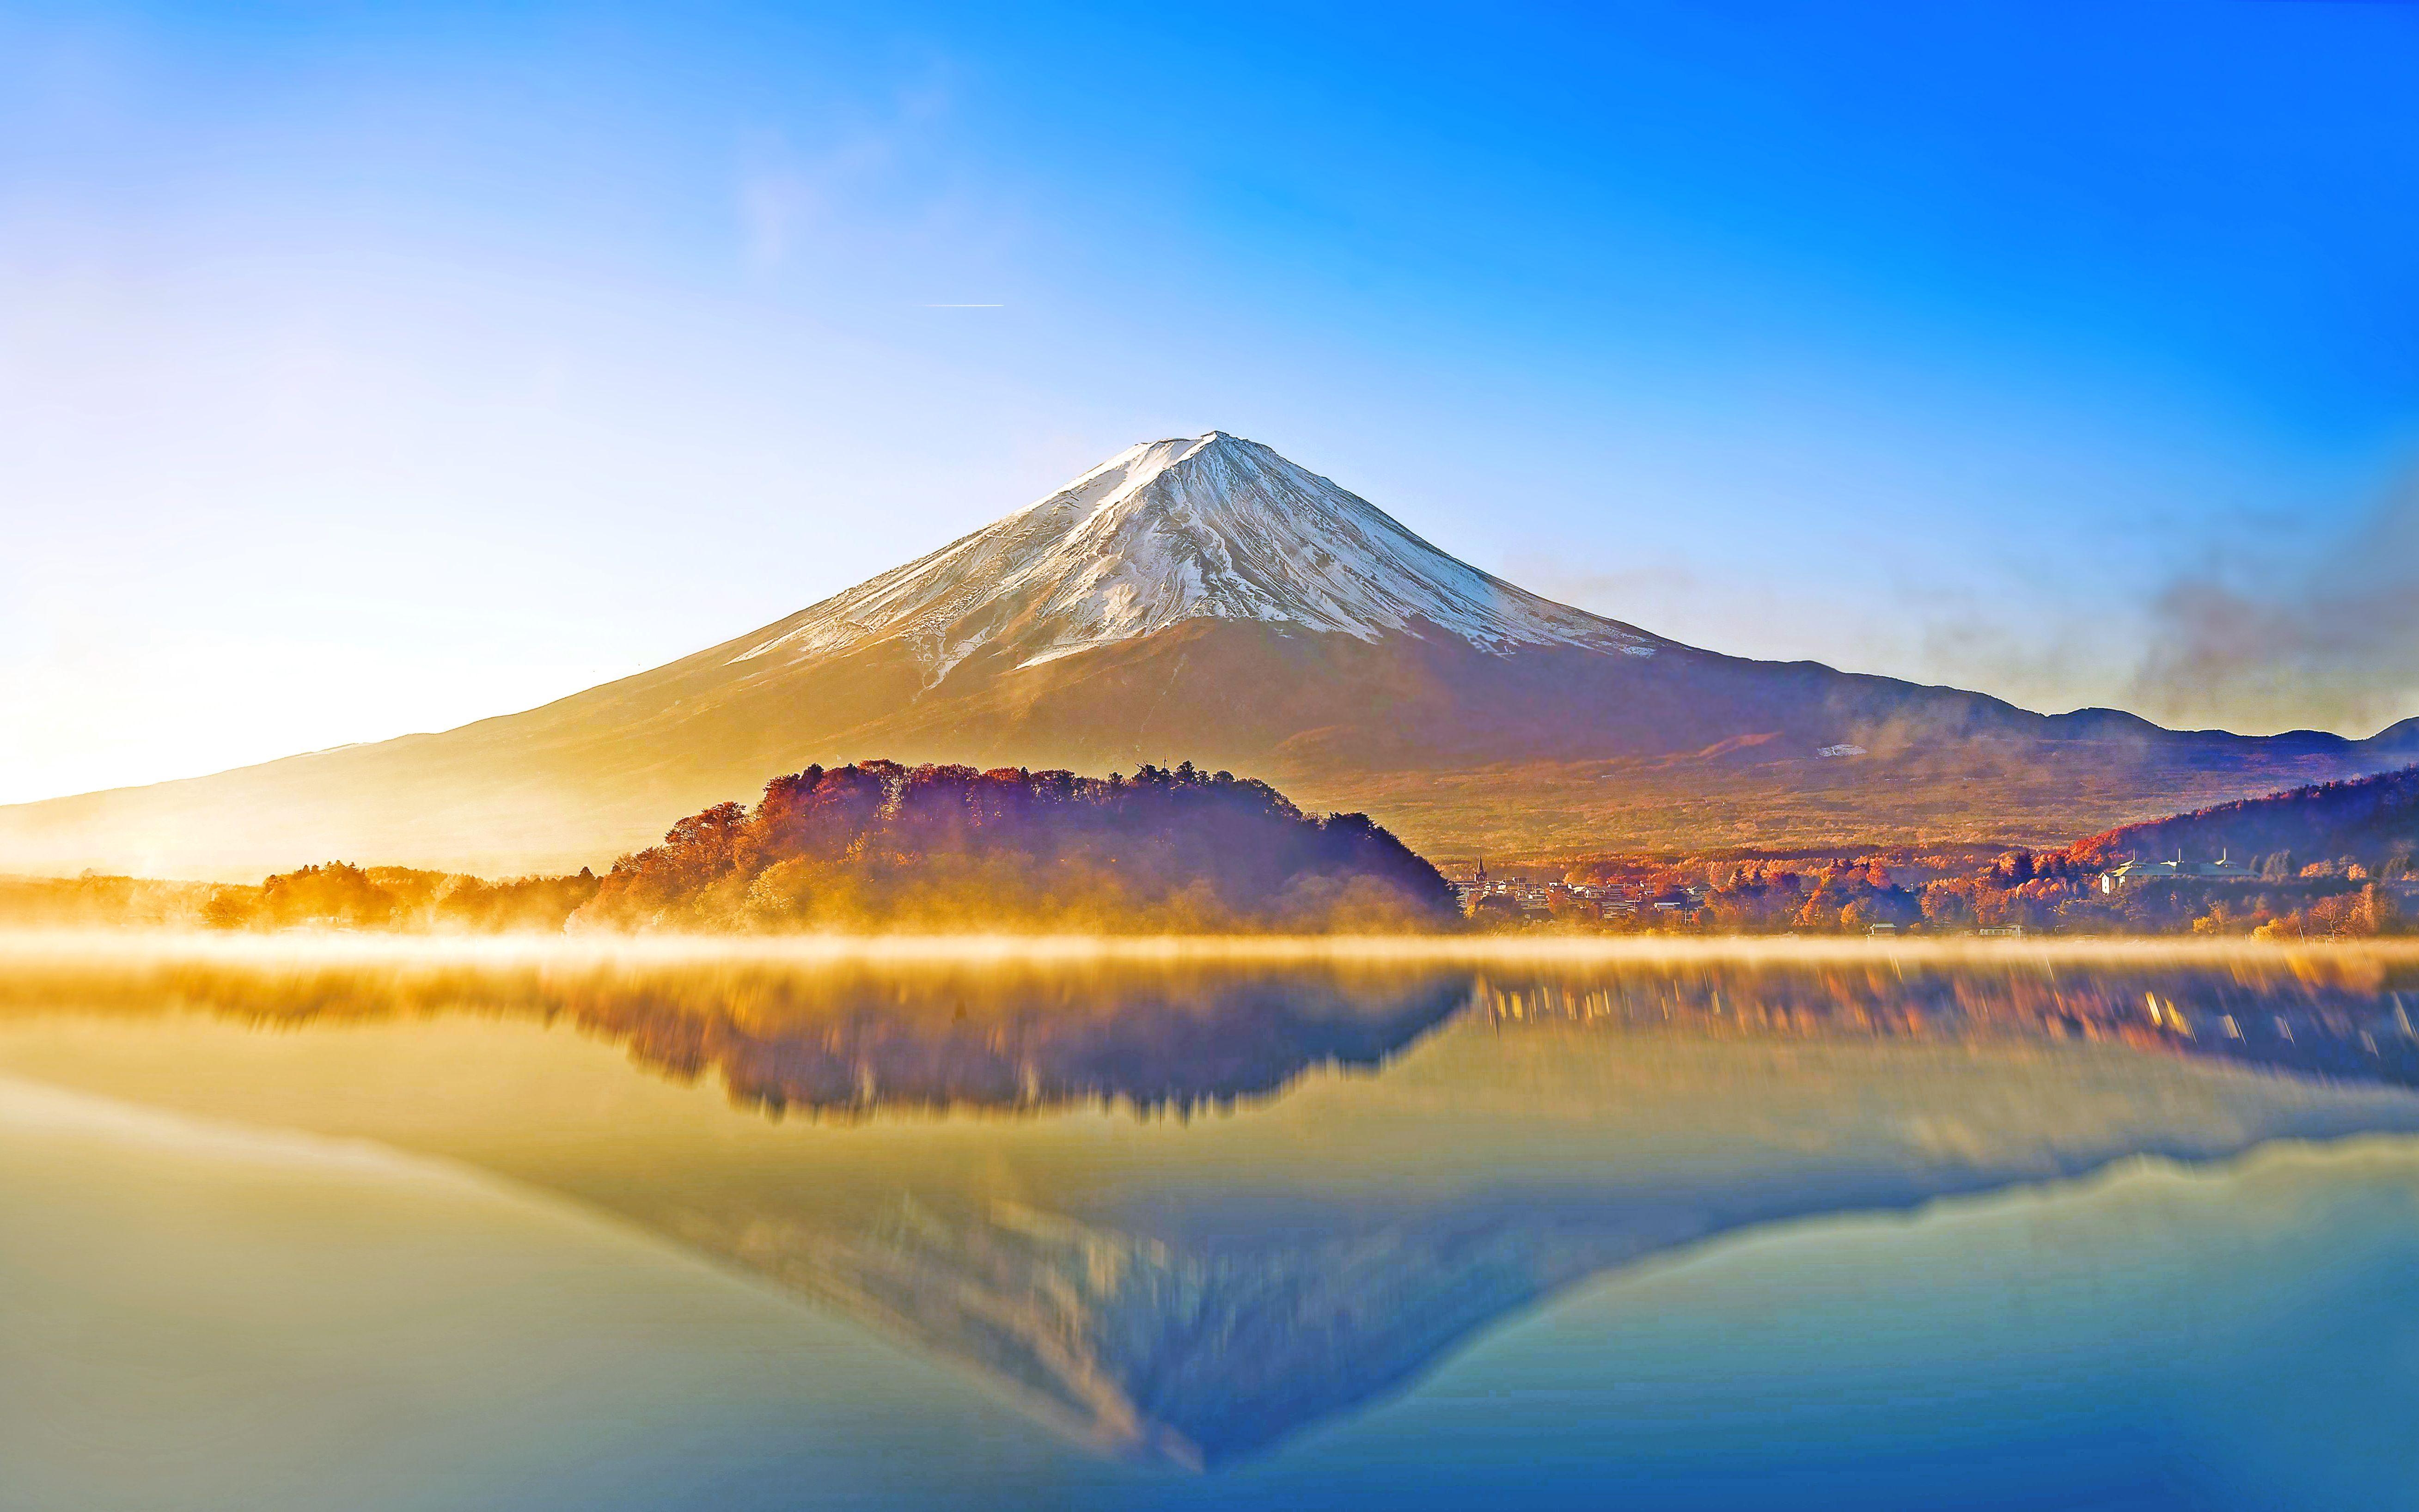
(879, 845)
(2371, 822)
(2333, 859)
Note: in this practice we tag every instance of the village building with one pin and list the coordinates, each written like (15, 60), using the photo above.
(2133, 873)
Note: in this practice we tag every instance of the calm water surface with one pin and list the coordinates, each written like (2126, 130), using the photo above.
(366, 1228)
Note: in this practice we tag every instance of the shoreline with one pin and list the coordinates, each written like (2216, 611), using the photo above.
(348, 946)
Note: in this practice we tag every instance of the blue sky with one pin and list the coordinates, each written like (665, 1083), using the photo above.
(374, 368)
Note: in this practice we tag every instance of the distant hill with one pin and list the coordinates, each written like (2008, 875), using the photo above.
(878, 845)
(2372, 821)
(1206, 597)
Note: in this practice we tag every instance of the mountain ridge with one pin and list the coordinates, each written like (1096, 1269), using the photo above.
(1206, 599)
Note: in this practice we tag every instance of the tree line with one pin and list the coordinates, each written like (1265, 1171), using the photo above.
(868, 847)
(2331, 859)
(880, 845)
(337, 894)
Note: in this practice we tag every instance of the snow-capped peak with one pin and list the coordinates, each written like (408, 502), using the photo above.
(1194, 527)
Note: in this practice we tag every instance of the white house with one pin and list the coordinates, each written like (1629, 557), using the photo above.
(2133, 873)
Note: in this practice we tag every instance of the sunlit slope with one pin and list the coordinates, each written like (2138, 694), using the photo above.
(1204, 600)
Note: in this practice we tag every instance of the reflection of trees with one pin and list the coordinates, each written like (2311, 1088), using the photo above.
(859, 1039)
(850, 1039)
(2349, 1017)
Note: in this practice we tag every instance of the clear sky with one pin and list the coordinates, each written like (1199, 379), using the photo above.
(373, 368)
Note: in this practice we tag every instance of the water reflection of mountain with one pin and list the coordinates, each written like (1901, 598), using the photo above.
(1200, 1289)
(1196, 1355)
(1208, 1309)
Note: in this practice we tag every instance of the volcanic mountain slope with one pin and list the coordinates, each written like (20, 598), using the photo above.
(1206, 599)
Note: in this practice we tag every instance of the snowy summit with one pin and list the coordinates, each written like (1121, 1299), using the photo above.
(1206, 526)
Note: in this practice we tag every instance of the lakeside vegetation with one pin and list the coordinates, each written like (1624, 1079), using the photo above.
(2329, 859)
(327, 895)
(878, 848)
(872, 847)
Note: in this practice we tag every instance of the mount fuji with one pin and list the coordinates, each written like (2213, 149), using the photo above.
(1204, 599)
(1207, 528)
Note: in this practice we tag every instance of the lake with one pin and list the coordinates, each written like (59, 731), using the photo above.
(378, 1224)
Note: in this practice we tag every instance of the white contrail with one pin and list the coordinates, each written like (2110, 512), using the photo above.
(966, 307)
